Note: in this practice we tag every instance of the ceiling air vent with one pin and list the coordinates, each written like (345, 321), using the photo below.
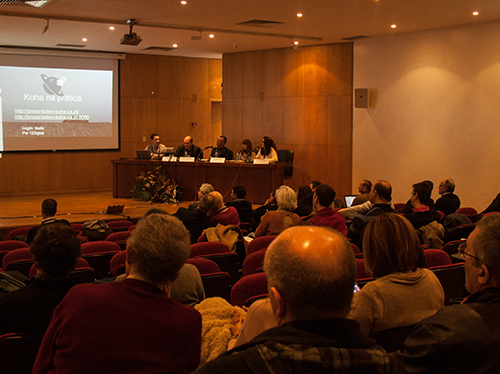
(260, 23)
(35, 3)
(357, 37)
(153, 48)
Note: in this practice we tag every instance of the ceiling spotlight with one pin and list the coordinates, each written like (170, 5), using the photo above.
(111, 27)
(299, 15)
(174, 45)
(184, 2)
(393, 26)
(84, 39)
(211, 35)
(131, 38)
(475, 13)
(296, 43)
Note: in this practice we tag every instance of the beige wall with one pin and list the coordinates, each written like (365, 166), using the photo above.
(434, 113)
(302, 99)
(156, 96)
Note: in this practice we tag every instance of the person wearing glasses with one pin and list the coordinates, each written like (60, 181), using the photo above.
(464, 338)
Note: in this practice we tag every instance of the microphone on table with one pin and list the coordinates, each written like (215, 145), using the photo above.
(256, 149)
(210, 146)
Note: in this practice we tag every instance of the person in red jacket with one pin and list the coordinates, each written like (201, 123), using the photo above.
(133, 325)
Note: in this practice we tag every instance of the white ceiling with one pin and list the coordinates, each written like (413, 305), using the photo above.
(162, 23)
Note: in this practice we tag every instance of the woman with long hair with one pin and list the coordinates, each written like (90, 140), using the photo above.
(402, 294)
(267, 150)
(246, 154)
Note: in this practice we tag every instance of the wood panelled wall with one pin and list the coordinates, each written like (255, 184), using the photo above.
(302, 99)
(157, 94)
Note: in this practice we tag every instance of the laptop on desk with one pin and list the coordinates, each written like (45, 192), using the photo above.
(349, 199)
(143, 155)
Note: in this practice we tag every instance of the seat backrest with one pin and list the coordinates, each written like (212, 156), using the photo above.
(259, 243)
(355, 249)
(286, 155)
(227, 262)
(18, 352)
(436, 257)
(217, 284)
(247, 287)
(360, 266)
(82, 239)
(9, 245)
(204, 265)
(99, 247)
(466, 210)
(120, 236)
(16, 255)
(120, 225)
(398, 207)
(452, 278)
(452, 247)
(20, 231)
(253, 262)
(77, 227)
(116, 262)
(462, 231)
(207, 248)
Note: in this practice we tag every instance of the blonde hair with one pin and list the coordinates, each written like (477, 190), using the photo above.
(286, 198)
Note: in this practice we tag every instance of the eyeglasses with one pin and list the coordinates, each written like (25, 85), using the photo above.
(462, 250)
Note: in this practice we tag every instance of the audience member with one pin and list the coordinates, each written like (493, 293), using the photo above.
(311, 273)
(274, 222)
(246, 154)
(197, 220)
(402, 293)
(314, 184)
(304, 201)
(132, 325)
(244, 207)
(156, 149)
(55, 251)
(220, 213)
(203, 190)
(421, 200)
(380, 198)
(494, 206)
(49, 210)
(364, 189)
(258, 213)
(220, 150)
(188, 149)
(464, 338)
(267, 150)
(448, 203)
(408, 208)
(325, 215)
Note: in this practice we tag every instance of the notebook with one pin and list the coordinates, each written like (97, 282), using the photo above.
(143, 155)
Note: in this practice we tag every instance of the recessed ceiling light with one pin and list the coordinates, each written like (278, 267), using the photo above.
(84, 39)
(184, 2)
(299, 15)
(211, 35)
(174, 45)
(296, 42)
(111, 27)
(475, 13)
(393, 26)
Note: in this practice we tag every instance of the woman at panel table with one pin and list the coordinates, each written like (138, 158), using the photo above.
(267, 150)
(246, 154)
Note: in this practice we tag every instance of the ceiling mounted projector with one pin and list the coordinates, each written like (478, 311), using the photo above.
(131, 38)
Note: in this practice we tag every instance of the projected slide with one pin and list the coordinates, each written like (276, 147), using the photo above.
(56, 109)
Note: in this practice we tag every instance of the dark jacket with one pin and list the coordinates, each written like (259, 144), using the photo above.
(244, 208)
(195, 151)
(322, 346)
(419, 219)
(359, 222)
(48, 221)
(222, 152)
(461, 338)
(494, 206)
(195, 221)
(447, 203)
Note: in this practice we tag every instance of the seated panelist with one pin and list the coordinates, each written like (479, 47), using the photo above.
(267, 150)
(156, 149)
(188, 149)
(221, 150)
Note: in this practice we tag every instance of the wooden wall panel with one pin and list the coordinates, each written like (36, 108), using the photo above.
(251, 71)
(306, 106)
(231, 75)
(152, 89)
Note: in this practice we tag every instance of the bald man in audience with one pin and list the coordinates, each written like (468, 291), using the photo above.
(311, 273)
